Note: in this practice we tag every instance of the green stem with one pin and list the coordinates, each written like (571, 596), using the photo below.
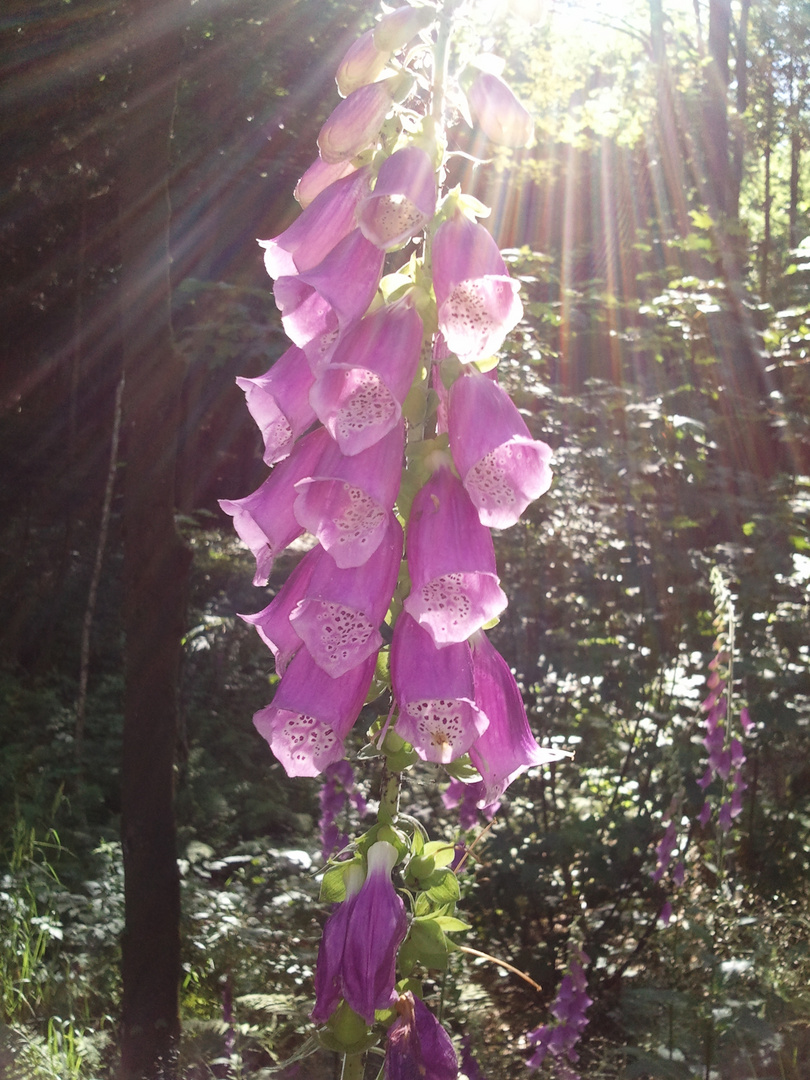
(389, 796)
(353, 1067)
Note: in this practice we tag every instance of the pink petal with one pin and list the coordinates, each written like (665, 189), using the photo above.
(451, 559)
(403, 200)
(273, 622)
(346, 503)
(507, 747)
(322, 225)
(265, 520)
(318, 304)
(358, 395)
(502, 468)
(279, 402)
(477, 300)
(312, 713)
(329, 968)
(434, 690)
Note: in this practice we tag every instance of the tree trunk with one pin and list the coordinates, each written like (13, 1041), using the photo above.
(795, 173)
(156, 561)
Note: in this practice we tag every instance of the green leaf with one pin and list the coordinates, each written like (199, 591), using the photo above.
(426, 945)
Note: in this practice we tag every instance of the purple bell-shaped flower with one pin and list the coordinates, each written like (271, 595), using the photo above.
(273, 622)
(265, 520)
(339, 615)
(358, 954)
(501, 467)
(358, 395)
(403, 200)
(418, 1047)
(322, 225)
(451, 559)
(312, 713)
(507, 747)
(346, 502)
(434, 691)
(279, 402)
(318, 304)
(478, 303)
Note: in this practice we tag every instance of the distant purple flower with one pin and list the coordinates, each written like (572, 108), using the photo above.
(451, 559)
(279, 403)
(315, 232)
(507, 747)
(312, 713)
(502, 468)
(318, 304)
(357, 959)
(467, 798)
(403, 200)
(667, 847)
(569, 1008)
(359, 394)
(433, 689)
(469, 1066)
(265, 520)
(337, 791)
(478, 302)
(418, 1047)
(355, 122)
(346, 502)
(665, 915)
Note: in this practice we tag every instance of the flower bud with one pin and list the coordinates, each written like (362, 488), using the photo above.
(498, 113)
(363, 63)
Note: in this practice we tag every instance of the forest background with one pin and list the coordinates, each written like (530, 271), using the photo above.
(659, 228)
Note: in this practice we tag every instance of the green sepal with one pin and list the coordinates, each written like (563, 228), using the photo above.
(346, 1032)
(450, 924)
(462, 769)
(333, 883)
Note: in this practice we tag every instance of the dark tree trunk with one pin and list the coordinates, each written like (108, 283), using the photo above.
(155, 560)
(795, 173)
